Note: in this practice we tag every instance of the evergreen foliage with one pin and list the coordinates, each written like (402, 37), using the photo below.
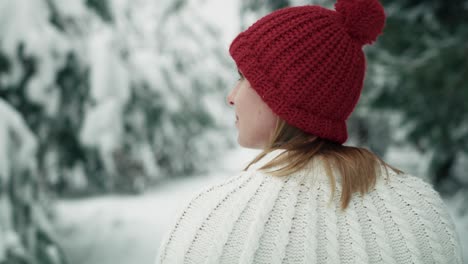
(424, 51)
(94, 98)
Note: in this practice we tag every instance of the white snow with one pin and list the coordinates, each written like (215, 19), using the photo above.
(224, 13)
(23, 21)
(110, 91)
(123, 230)
(18, 147)
(102, 128)
(18, 143)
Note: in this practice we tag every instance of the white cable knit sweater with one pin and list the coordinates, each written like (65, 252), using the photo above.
(257, 218)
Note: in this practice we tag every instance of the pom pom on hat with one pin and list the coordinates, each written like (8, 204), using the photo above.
(363, 19)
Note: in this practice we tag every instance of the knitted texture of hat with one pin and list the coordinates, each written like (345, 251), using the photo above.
(307, 62)
(256, 218)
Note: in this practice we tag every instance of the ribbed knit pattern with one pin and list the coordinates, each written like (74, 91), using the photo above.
(307, 62)
(257, 218)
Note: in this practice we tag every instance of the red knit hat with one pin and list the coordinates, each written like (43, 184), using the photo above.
(307, 62)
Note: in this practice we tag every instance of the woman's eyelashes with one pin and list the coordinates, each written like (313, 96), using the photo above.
(241, 77)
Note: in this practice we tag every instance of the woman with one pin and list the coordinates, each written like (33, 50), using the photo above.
(307, 198)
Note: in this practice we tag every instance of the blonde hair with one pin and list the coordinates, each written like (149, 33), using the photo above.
(358, 167)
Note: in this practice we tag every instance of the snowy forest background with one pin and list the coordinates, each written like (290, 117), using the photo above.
(111, 112)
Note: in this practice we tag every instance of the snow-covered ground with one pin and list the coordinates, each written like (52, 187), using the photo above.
(128, 229)
(117, 229)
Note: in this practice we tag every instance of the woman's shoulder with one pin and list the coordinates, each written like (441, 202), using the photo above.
(208, 197)
(409, 188)
(207, 213)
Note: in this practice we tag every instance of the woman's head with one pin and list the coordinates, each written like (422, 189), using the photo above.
(302, 74)
(307, 65)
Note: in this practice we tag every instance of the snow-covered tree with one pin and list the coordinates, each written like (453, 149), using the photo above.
(117, 92)
(101, 94)
(424, 65)
(26, 235)
(154, 78)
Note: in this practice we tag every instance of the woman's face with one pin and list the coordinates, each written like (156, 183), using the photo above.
(254, 119)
